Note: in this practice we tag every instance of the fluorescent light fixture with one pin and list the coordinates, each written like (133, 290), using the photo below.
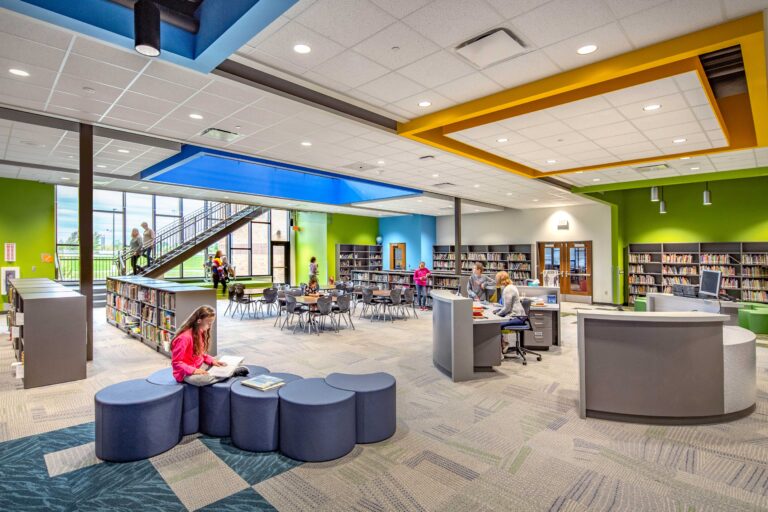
(381, 162)
(306, 143)
(18, 72)
(146, 28)
(436, 175)
(302, 48)
(707, 195)
(195, 116)
(535, 200)
(101, 166)
(502, 140)
(64, 178)
(425, 103)
(509, 193)
(476, 185)
(652, 107)
(680, 140)
(695, 168)
(595, 179)
(551, 161)
(587, 49)
(654, 194)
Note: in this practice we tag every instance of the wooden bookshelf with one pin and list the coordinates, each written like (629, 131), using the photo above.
(150, 310)
(656, 267)
(516, 259)
(356, 257)
(48, 332)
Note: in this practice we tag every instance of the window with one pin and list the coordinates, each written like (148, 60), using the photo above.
(66, 215)
(193, 267)
(190, 206)
(167, 205)
(240, 259)
(280, 226)
(138, 209)
(107, 200)
(240, 238)
(259, 249)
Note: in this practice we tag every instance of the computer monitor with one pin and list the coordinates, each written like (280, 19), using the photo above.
(710, 283)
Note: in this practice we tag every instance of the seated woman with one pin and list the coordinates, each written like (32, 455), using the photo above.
(313, 287)
(510, 298)
(189, 358)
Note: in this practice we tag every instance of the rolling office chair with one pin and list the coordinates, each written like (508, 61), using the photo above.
(520, 324)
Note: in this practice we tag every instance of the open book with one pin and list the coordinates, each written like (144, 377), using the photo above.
(226, 371)
(264, 382)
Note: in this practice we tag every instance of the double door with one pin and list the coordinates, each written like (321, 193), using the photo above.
(569, 264)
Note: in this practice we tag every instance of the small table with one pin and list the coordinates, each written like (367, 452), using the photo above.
(254, 291)
(310, 300)
(382, 293)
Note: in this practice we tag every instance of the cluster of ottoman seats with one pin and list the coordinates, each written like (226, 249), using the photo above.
(754, 316)
(311, 420)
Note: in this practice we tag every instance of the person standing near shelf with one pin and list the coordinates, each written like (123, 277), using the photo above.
(420, 277)
(189, 358)
(135, 248)
(479, 284)
(312, 268)
(148, 238)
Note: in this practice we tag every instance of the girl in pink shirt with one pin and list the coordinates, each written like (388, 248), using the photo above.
(189, 359)
(420, 279)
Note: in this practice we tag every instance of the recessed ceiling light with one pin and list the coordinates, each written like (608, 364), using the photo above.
(476, 185)
(101, 166)
(195, 116)
(587, 49)
(306, 143)
(144, 188)
(509, 193)
(70, 156)
(685, 158)
(651, 107)
(679, 141)
(535, 200)
(694, 168)
(551, 161)
(477, 211)
(18, 72)
(425, 103)
(419, 201)
(64, 178)
(302, 48)
(381, 162)
(436, 175)
(595, 179)
(226, 197)
(502, 140)
(123, 151)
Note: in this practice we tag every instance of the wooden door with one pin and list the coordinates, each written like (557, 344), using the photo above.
(397, 256)
(573, 263)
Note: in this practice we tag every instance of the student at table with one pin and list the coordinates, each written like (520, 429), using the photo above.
(420, 277)
(313, 286)
(479, 284)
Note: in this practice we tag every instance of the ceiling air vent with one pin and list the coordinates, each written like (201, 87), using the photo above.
(652, 168)
(444, 184)
(222, 135)
(491, 47)
(359, 166)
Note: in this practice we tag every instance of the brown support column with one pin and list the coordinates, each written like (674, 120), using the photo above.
(85, 229)
(457, 234)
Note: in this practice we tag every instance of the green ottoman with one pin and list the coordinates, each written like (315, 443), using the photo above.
(641, 304)
(744, 314)
(758, 321)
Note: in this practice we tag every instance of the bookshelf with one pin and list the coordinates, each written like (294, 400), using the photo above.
(656, 267)
(517, 259)
(388, 279)
(356, 257)
(150, 310)
(47, 325)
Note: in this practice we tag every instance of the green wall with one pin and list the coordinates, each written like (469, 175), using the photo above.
(348, 229)
(738, 213)
(27, 218)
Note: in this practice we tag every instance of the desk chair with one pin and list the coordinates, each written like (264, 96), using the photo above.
(520, 324)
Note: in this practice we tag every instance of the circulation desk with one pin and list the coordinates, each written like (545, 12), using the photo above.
(669, 302)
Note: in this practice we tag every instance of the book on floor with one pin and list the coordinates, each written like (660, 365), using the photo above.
(264, 382)
(232, 363)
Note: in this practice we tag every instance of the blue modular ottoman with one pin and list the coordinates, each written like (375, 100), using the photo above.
(255, 416)
(317, 421)
(190, 413)
(375, 403)
(137, 420)
(214, 404)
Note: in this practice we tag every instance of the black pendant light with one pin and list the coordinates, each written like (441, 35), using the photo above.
(146, 26)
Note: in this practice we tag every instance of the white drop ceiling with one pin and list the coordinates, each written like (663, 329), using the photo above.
(611, 127)
(428, 205)
(392, 54)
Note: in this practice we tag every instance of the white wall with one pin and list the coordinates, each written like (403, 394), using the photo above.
(590, 222)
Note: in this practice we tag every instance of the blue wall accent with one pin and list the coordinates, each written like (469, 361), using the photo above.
(220, 170)
(225, 26)
(417, 231)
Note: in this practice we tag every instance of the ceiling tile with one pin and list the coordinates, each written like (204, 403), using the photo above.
(580, 108)
(739, 8)
(34, 30)
(345, 21)
(602, 118)
(696, 97)
(436, 69)
(30, 52)
(622, 8)
(668, 103)
(411, 103)
(391, 88)
(38, 76)
(468, 88)
(521, 70)
(510, 9)
(81, 103)
(157, 88)
(642, 93)
(450, 22)
(99, 50)
(281, 44)
(215, 104)
(411, 46)
(608, 130)
(18, 89)
(350, 68)
(527, 120)
(146, 103)
(561, 19)
(609, 39)
(663, 119)
(234, 91)
(97, 71)
(671, 19)
(400, 8)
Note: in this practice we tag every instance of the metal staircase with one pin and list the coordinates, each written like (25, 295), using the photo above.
(189, 235)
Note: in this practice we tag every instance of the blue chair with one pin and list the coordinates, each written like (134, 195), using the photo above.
(214, 404)
(317, 421)
(255, 420)
(375, 403)
(190, 413)
(137, 420)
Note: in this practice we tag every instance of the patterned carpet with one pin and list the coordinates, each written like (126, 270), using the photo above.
(511, 441)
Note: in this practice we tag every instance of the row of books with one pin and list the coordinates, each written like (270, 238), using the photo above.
(716, 258)
(168, 320)
(642, 289)
(167, 300)
(482, 256)
(149, 314)
(125, 289)
(640, 258)
(148, 296)
(755, 284)
(680, 270)
(131, 307)
(729, 283)
(121, 319)
(754, 296)
(677, 258)
(641, 279)
(754, 271)
(637, 269)
(668, 281)
(755, 259)
(725, 270)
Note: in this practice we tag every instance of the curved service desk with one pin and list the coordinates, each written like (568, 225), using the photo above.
(664, 367)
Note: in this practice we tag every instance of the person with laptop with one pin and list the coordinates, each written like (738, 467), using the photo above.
(190, 360)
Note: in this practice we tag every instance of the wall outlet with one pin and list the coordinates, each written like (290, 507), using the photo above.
(34, 268)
